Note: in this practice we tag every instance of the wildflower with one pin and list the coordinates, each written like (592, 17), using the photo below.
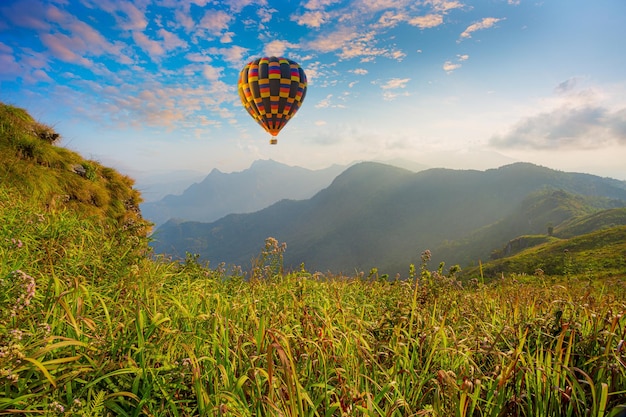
(56, 407)
(17, 242)
(17, 334)
(28, 284)
(45, 327)
(16, 292)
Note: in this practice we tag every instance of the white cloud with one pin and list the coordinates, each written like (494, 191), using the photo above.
(485, 23)
(427, 21)
(391, 19)
(389, 95)
(215, 21)
(10, 68)
(395, 83)
(319, 4)
(377, 5)
(277, 47)
(153, 48)
(80, 38)
(330, 101)
(391, 87)
(328, 42)
(265, 14)
(170, 40)
(197, 57)
(444, 5)
(313, 19)
(41, 76)
(66, 48)
(586, 127)
(449, 66)
(237, 5)
(322, 104)
(128, 15)
(362, 47)
(359, 71)
(184, 18)
(211, 73)
(234, 55)
(227, 37)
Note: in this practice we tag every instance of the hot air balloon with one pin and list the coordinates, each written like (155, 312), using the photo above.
(272, 90)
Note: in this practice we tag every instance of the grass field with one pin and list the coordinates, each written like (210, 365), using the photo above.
(92, 325)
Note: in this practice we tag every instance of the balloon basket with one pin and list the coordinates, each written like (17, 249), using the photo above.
(273, 141)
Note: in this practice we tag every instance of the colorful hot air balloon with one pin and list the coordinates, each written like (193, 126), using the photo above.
(272, 90)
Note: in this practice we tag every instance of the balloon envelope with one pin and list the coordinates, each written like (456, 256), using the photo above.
(272, 90)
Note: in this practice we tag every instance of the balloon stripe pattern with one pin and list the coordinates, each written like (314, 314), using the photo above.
(272, 90)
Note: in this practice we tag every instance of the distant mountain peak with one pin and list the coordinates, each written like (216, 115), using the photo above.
(264, 183)
(263, 163)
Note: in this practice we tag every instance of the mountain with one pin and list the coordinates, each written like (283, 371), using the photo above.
(405, 163)
(219, 194)
(376, 215)
(155, 185)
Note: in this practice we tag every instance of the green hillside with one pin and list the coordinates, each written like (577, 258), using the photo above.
(92, 324)
(586, 224)
(55, 177)
(593, 244)
(537, 214)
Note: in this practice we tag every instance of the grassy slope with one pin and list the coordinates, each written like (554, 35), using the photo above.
(601, 253)
(55, 177)
(533, 216)
(593, 244)
(91, 326)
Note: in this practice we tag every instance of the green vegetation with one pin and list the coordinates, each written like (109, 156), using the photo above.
(55, 177)
(91, 325)
(593, 245)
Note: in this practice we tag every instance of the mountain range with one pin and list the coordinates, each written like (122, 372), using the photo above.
(219, 194)
(377, 215)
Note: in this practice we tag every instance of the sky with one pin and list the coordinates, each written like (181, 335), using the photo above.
(150, 86)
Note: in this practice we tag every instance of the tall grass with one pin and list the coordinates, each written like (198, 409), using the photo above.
(90, 325)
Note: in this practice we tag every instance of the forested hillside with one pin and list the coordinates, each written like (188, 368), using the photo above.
(375, 215)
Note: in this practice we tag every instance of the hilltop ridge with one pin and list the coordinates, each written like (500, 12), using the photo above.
(33, 165)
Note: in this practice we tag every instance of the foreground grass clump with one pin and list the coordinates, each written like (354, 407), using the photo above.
(89, 325)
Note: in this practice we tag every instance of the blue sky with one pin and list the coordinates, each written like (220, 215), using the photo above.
(152, 84)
